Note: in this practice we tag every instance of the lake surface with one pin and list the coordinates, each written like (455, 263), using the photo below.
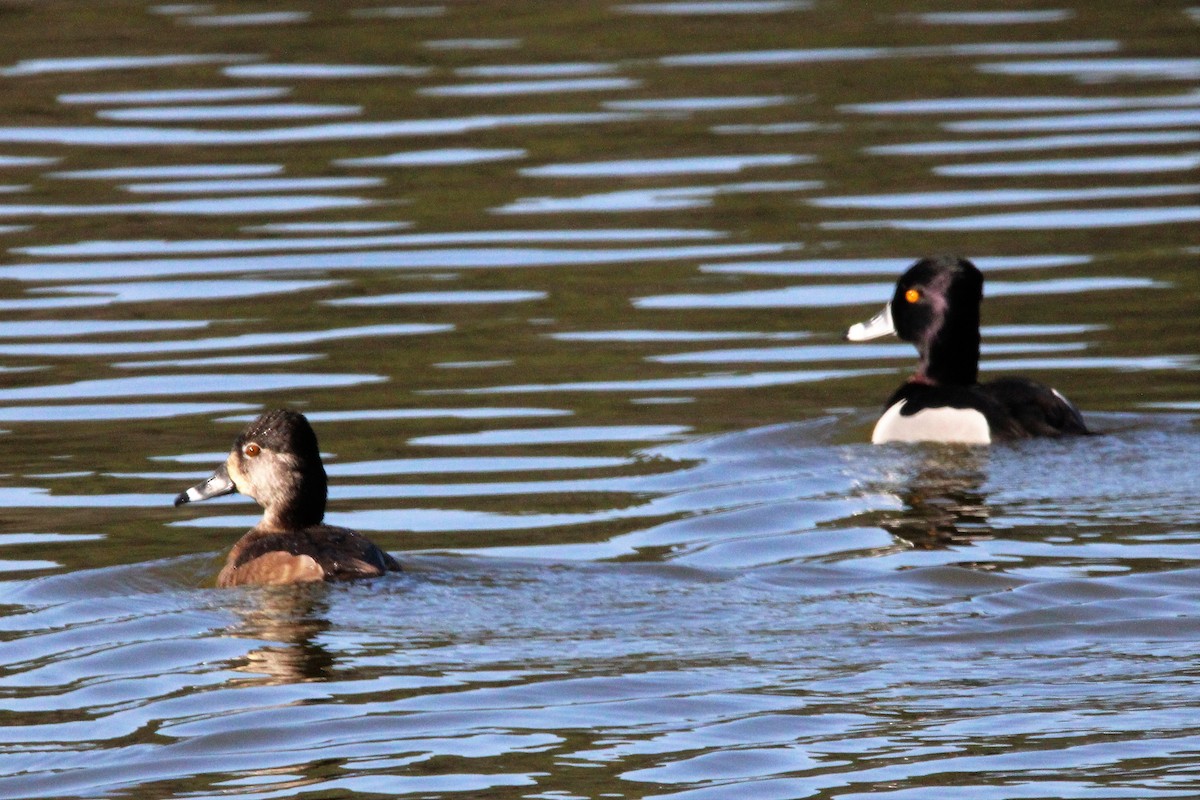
(562, 287)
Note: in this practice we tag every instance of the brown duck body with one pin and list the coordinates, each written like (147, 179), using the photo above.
(317, 553)
(276, 461)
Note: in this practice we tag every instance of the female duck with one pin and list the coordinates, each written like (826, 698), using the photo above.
(276, 461)
(936, 307)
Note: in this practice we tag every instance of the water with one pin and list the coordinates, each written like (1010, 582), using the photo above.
(561, 288)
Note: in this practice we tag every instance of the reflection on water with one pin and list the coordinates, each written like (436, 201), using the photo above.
(641, 200)
(886, 266)
(994, 17)
(664, 166)
(809, 296)
(562, 293)
(265, 18)
(1103, 69)
(173, 171)
(714, 7)
(1081, 166)
(839, 54)
(100, 294)
(161, 96)
(260, 111)
(548, 86)
(233, 206)
(311, 71)
(683, 104)
(1074, 218)
(107, 136)
(1017, 197)
(1175, 118)
(42, 66)
(251, 185)
(1003, 105)
(435, 158)
(1140, 139)
(944, 501)
(289, 622)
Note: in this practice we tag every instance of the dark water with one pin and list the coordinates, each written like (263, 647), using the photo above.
(561, 286)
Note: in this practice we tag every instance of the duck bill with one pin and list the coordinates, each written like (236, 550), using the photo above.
(217, 484)
(879, 325)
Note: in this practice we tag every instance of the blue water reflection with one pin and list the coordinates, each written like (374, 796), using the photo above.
(86, 295)
(161, 96)
(946, 148)
(967, 198)
(531, 87)
(44, 66)
(864, 293)
(173, 171)
(560, 287)
(1112, 165)
(1006, 105)
(225, 113)
(146, 136)
(1102, 69)
(449, 258)
(640, 200)
(1058, 219)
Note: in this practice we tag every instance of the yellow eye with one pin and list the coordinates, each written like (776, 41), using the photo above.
(251, 450)
(912, 295)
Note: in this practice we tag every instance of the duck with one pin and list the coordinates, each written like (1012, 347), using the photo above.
(936, 307)
(277, 462)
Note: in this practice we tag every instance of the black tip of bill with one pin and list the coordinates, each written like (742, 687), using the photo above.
(215, 485)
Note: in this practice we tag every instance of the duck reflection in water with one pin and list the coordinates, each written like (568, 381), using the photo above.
(276, 461)
(292, 619)
(944, 501)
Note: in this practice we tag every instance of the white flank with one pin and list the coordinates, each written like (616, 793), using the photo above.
(960, 425)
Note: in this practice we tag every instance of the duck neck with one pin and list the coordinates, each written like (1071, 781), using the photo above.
(951, 357)
(300, 503)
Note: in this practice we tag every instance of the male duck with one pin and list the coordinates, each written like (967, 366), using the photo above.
(276, 461)
(936, 307)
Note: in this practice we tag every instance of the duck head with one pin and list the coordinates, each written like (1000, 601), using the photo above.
(276, 461)
(936, 307)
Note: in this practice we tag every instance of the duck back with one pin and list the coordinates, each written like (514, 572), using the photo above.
(1003, 409)
(1034, 409)
(316, 553)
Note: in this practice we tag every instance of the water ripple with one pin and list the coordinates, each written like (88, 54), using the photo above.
(529, 87)
(844, 295)
(215, 246)
(714, 7)
(208, 207)
(1059, 142)
(692, 165)
(1065, 219)
(323, 71)
(452, 258)
(837, 54)
(131, 136)
(996, 197)
(225, 113)
(635, 200)
(183, 385)
(1170, 118)
(49, 66)
(252, 185)
(240, 342)
(1099, 69)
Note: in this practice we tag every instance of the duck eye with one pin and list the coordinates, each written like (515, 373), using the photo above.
(251, 450)
(912, 295)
